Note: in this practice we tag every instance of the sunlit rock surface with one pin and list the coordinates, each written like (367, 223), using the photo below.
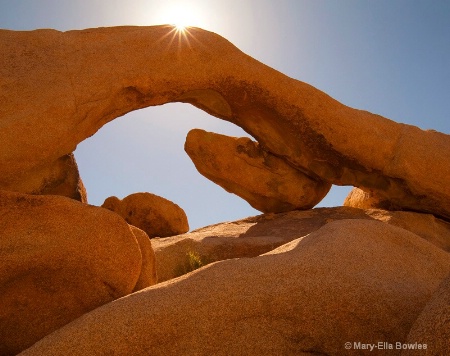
(151, 213)
(241, 166)
(349, 280)
(59, 177)
(256, 235)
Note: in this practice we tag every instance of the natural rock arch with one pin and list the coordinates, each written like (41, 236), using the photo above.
(60, 88)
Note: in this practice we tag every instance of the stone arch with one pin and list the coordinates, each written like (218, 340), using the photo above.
(60, 88)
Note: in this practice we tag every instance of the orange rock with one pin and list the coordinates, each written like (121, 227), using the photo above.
(155, 215)
(60, 177)
(58, 260)
(429, 227)
(367, 199)
(351, 280)
(148, 276)
(256, 235)
(242, 167)
(432, 327)
(58, 88)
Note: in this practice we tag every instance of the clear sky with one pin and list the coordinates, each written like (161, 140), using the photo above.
(389, 57)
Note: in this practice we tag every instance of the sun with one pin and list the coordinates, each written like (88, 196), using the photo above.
(182, 15)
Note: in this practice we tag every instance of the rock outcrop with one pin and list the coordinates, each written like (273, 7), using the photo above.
(240, 166)
(253, 236)
(350, 280)
(432, 327)
(151, 213)
(58, 88)
(59, 259)
(59, 177)
(148, 276)
(367, 199)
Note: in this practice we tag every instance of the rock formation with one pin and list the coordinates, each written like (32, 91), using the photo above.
(432, 327)
(367, 199)
(256, 235)
(335, 275)
(59, 259)
(350, 280)
(148, 276)
(151, 213)
(58, 88)
(59, 177)
(242, 167)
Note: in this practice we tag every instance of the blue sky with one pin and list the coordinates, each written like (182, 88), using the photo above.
(388, 57)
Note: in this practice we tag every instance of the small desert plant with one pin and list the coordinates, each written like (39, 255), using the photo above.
(191, 262)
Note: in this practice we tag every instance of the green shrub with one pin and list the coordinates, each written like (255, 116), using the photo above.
(191, 262)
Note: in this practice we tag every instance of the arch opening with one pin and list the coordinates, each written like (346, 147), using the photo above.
(142, 151)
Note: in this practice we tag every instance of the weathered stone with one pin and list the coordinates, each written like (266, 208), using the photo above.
(350, 280)
(368, 199)
(429, 227)
(148, 276)
(58, 260)
(155, 215)
(432, 327)
(240, 166)
(59, 88)
(253, 236)
(60, 177)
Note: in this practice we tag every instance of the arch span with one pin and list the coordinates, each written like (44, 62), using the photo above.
(60, 88)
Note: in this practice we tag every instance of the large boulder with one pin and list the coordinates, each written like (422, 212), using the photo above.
(59, 177)
(256, 235)
(58, 88)
(349, 281)
(151, 213)
(431, 228)
(59, 259)
(432, 327)
(241, 166)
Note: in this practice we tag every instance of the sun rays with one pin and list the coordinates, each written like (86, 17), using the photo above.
(182, 17)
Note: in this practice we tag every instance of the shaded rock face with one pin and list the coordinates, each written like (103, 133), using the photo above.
(59, 259)
(151, 213)
(349, 280)
(253, 236)
(242, 167)
(67, 85)
(148, 276)
(432, 327)
(60, 177)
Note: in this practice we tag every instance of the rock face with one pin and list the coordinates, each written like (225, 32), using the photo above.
(60, 177)
(432, 327)
(153, 214)
(349, 280)
(367, 199)
(59, 259)
(242, 167)
(58, 88)
(253, 236)
(148, 276)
